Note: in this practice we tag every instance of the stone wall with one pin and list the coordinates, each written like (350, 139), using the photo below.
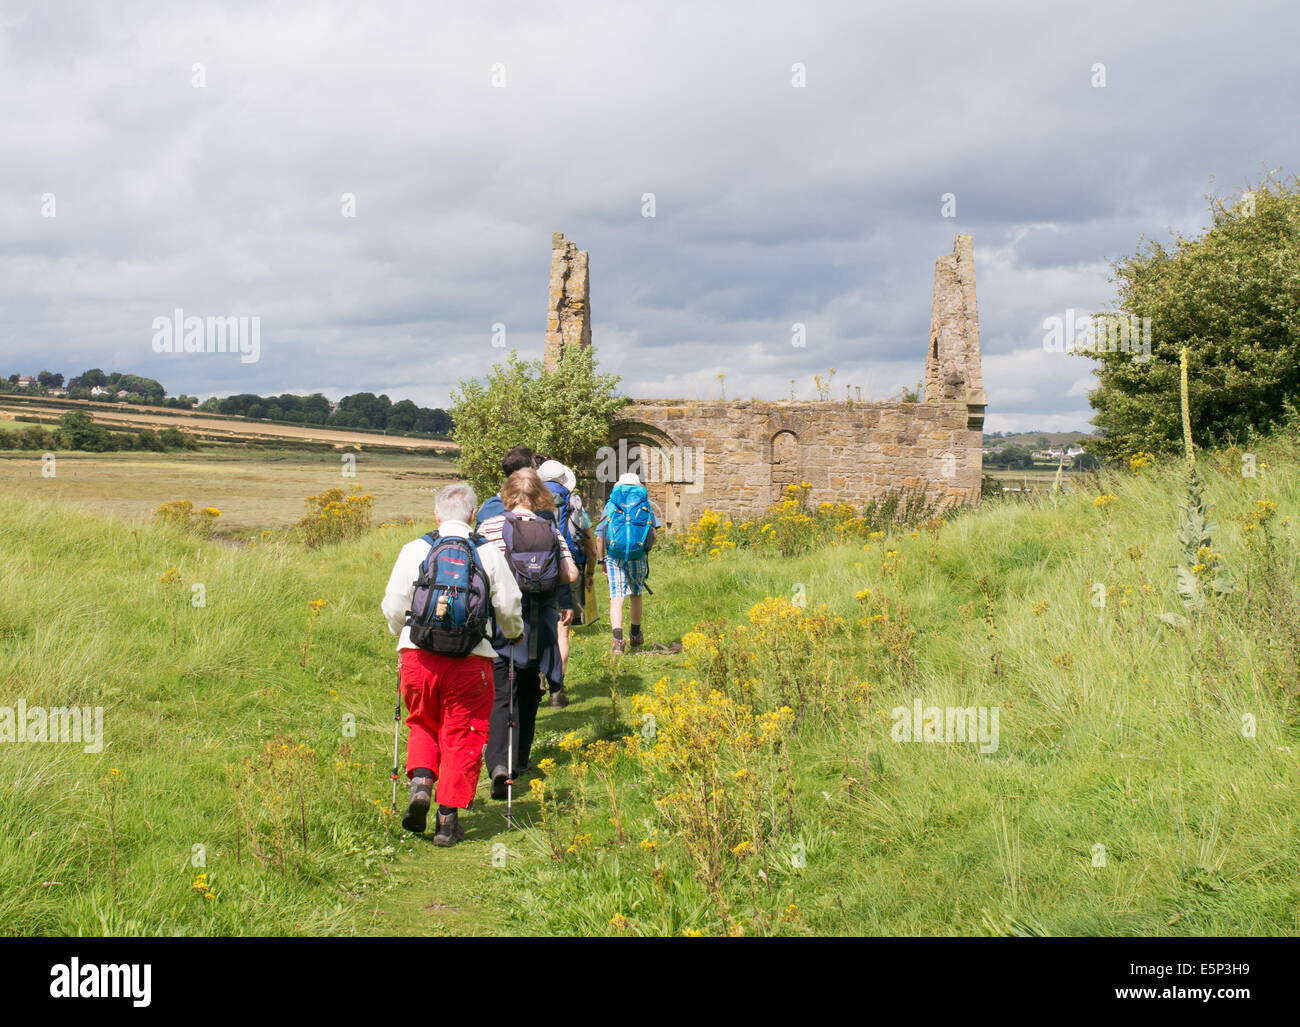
(737, 456)
(952, 362)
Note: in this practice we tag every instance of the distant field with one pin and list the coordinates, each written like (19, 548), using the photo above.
(1036, 479)
(212, 426)
(1030, 438)
(253, 489)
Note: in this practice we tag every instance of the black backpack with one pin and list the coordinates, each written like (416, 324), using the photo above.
(452, 605)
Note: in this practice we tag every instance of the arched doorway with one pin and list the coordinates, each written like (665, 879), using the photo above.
(785, 462)
(666, 468)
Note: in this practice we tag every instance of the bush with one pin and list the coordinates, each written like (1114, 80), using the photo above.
(34, 437)
(335, 517)
(180, 513)
(791, 526)
(565, 413)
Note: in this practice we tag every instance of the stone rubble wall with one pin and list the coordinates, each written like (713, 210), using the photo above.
(568, 317)
(719, 455)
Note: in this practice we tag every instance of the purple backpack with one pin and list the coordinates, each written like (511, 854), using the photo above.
(533, 552)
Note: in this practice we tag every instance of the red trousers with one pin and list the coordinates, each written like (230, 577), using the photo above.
(448, 702)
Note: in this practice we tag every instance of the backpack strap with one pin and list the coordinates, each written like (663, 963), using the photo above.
(475, 540)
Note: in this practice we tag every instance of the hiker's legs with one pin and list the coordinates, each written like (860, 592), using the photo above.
(528, 696)
(528, 693)
(634, 609)
(467, 689)
(562, 637)
(420, 694)
(499, 721)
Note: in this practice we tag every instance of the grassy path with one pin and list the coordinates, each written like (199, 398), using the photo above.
(453, 891)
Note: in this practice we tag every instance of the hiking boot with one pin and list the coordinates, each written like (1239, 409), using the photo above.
(449, 831)
(559, 700)
(417, 813)
(636, 640)
(618, 647)
(499, 778)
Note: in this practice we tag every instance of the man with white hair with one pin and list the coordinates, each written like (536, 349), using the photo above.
(447, 657)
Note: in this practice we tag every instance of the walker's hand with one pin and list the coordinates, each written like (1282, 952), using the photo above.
(566, 617)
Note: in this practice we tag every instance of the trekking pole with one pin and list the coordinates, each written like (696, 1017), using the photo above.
(397, 722)
(510, 749)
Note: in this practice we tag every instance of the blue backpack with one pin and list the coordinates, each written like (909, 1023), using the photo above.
(452, 607)
(630, 520)
(565, 517)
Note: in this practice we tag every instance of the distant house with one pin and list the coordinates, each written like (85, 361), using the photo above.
(99, 390)
(1057, 454)
(122, 394)
(58, 392)
(27, 382)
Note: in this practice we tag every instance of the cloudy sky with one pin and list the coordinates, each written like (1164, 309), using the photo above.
(197, 156)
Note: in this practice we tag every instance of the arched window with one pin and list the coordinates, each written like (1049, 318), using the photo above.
(785, 462)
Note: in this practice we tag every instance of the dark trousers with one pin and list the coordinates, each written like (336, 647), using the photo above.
(528, 696)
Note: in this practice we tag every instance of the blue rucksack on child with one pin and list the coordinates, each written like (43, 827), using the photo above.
(452, 605)
(630, 519)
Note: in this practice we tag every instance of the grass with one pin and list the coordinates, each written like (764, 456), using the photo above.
(1124, 796)
(254, 488)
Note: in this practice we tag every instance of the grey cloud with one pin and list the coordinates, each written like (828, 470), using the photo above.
(775, 205)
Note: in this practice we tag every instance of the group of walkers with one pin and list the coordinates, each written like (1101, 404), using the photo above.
(483, 608)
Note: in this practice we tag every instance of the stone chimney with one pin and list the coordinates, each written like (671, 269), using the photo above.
(568, 315)
(952, 363)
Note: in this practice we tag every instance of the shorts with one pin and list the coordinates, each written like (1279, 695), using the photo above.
(627, 578)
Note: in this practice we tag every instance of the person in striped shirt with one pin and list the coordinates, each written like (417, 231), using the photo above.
(537, 655)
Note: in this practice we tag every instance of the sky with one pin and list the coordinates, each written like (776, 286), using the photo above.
(378, 182)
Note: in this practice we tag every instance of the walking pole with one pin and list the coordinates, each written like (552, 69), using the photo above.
(510, 749)
(397, 721)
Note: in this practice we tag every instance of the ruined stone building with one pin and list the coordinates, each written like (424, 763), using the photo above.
(736, 456)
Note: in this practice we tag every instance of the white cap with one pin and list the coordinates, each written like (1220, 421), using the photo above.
(553, 470)
(628, 479)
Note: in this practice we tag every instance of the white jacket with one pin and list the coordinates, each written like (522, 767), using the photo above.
(507, 600)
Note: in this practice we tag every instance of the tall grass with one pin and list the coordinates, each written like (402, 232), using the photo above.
(1145, 779)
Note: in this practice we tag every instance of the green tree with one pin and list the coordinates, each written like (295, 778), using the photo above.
(566, 413)
(1232, 297)
(76, 430)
